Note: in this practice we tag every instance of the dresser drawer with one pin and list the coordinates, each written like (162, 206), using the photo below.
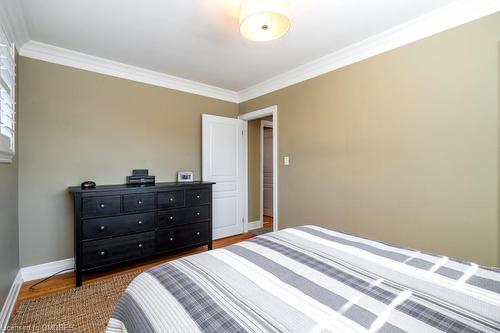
(198, 214)
(116, 226)
(101, 206)
(172, 199)
(198, 197)
(138, 202)
(183, 236)
(175, 217)
(114, 250)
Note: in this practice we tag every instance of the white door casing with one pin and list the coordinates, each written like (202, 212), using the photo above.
(268, 111)
(222, 163)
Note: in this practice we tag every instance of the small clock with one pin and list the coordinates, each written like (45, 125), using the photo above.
(87, 185)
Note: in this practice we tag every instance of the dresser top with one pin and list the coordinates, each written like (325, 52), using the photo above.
(157, 186)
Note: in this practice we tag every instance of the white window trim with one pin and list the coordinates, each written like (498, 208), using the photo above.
(6, 156)
(7, 144)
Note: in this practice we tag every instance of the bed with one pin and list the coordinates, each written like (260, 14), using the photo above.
(311, 279)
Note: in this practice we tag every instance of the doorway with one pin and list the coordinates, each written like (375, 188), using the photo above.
(266, 175)
(261, 181)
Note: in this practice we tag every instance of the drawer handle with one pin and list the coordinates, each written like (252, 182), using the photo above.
(139, 202)
(171, 199)
(139, 222)
(102, 227)
(198, 233)
(139, 245)
(197, 213)
(102, 205)
(198, 196)
(171, 218)
(102, 253)
(171, 238)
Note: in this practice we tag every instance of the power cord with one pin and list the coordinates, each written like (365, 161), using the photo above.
(47, 278)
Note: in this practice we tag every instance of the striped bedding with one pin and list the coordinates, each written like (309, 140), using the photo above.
(311, 279)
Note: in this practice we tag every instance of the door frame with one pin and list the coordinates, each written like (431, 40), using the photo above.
(269, 111)
(263, 124)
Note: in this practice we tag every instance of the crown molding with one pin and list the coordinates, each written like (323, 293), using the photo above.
(453, 15)
(61, 56)
(13, 23)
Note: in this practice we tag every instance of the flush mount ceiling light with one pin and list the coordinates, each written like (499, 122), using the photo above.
(264, 20)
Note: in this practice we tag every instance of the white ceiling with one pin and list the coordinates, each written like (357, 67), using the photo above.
(199, 39)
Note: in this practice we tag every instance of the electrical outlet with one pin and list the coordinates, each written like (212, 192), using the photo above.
(286, 160)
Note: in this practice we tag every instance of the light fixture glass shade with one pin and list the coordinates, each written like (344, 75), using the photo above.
(264, 20)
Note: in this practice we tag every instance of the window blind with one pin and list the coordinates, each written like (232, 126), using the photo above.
(7, 93)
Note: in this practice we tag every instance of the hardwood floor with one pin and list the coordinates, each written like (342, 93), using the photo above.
(268, 222)
(67, 280)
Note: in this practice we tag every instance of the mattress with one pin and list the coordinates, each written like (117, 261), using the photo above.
(311, 279)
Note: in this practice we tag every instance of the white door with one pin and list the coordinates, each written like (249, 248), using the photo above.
(222, 163)
(268, 172)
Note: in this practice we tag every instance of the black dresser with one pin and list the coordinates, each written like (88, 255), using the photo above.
(115, 224)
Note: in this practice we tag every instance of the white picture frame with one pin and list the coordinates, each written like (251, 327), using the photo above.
(185, 176)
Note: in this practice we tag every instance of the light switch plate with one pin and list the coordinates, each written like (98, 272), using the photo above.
(286, 160)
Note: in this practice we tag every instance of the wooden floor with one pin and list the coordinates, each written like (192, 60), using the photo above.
(268, 222)
(67, 280)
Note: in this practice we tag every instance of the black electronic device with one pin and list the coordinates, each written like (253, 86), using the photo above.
(140, 177)
(140, 180)
(140, 172)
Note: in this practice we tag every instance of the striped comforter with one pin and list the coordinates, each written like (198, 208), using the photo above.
(310, 279)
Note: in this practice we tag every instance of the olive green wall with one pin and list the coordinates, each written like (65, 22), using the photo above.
(78, 125)
(401, 147)
(9, 226)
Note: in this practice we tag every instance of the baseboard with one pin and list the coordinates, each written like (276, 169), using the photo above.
(10, 301)
(254, 225)
(44, 270)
